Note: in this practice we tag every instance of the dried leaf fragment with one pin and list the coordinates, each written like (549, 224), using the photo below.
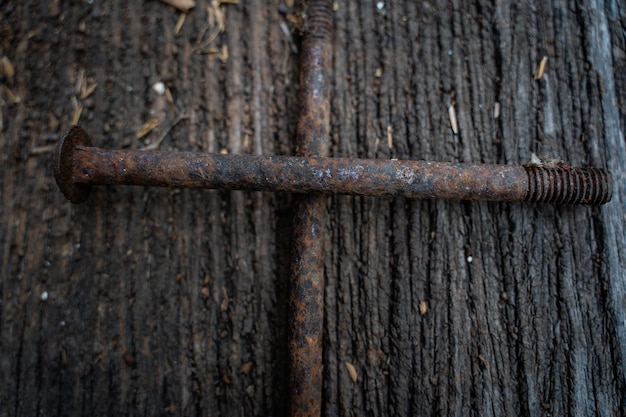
(147, 127)
(351, 371)
(182, 5)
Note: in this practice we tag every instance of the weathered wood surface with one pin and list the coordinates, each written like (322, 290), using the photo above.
(174, 302)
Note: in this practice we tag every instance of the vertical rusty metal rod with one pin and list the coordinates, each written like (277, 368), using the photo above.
(306, 298)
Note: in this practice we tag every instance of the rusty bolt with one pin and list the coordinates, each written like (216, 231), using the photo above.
(78, 166)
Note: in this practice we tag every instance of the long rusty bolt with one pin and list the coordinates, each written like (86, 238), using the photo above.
(78, 166)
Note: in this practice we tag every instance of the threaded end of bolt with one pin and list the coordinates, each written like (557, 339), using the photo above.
(590, 186)
(319, 19)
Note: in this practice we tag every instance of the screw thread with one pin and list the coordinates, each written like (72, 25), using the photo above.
(319, 20)
(590, 186)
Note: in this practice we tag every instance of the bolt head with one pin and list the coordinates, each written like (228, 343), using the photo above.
(64, 161)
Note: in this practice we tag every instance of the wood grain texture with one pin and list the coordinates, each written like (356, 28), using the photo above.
(175, 302)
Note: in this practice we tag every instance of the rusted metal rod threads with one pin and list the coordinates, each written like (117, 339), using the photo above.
(306, 295)
(78, 166)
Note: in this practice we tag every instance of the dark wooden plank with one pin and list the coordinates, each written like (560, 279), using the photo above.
(174, 302)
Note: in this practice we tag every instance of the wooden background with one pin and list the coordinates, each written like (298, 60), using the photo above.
(163, 302)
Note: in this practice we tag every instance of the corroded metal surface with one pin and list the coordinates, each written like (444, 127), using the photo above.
(65, 161)
(568, 185)
(306, 295)
(78, 166)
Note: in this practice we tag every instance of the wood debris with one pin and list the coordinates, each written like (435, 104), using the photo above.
(541, 68)
(423, 308)
(453, 122)
(179, 23)
(287, 32)
(78, 110)
(246, 368)
(39, 150)
(223, 55)
(158, 142)
(147, 127)
(544, 162)
(87, 89)
(10, 95)
(484, 363)
(351, 371)
(85, 86)
(496, 110)
(182, 5)
(225, 300)
(7, 68)
(216, 23)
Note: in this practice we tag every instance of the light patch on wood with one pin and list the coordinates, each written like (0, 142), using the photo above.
(496, 110)
(389, 136)
(351, 371)
(541, 68)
